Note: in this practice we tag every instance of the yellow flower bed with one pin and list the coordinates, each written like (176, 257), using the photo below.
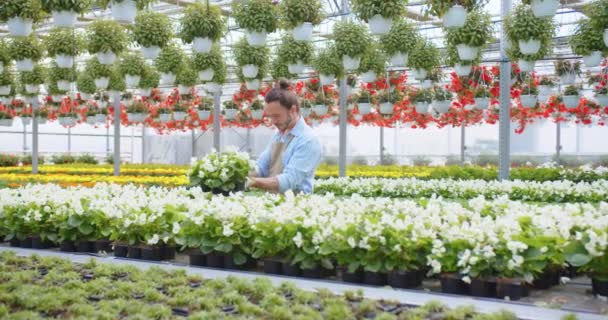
(325, 171)
(131, 170)
(15, 180)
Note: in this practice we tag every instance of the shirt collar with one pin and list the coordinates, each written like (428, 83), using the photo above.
(297, 130)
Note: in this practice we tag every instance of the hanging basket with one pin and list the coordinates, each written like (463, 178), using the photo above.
(462, 70)
(455, 17)
(132, 81)
(482, 103)
(57, 98)
(64, 18)
(213, 87)
(150, 53)
(544, 8)
(386, 108)
(64, 61)
(124, 11)
(230, 114)
(602, 100)
(67, 121)
(24, 65)
(85, 96)
(425, 84)
(442, 106)
(466, 52)
(368, 76)
(567, 78)
(593, 60)
(253, 84)
(26, 121)
(364, 108)
(296, 68)
(144, 92)
(203, 114)
(528, 100)
(326, 79)
(5, 90)
(399, 60)
(32, 88)
(106, 58)
(6, 122)
(91, 121)
(320, 109)
(206, 75)
(136, 117)
(1, 67)
(250, 71)
(202, 44)
(257, 114)
(305, 112)
(102, 83)
(256, 39)
(183, 89)
(167, 79)
(164, 117)
(379, 25)
(19, 27)
(303, 32)
(529, 47)
(571, 101)
(351, 63)
(419, 74)
(422, 107)
(101, 118)
(526, 65)
(179, 115)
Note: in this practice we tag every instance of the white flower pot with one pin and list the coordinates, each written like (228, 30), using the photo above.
(144, 92)
(230, 114)
(466, 52)
(250, 71)
(6, 122)
(256, 39)
(183, 89)
(150, 53)
(568, 78)
(442, 106)
(320, 109)
(124, 11)
(203, 114)
(545, 90)
(24, 65)
(26, 121)
(364, 108)
(85, 96)
(482, 103)
(303, 32)
(398, 60)
(326, 79)
(167, 79)
(136, 117)
(64, 85)
(57, 98)
(202, 45)
(67, 121)
(602, 99)
(164, 117)
(106, 58)
(19, 27)
(257, 114)
(544, 8)
(455, 17)
(64, 18)
(529, 47)
(380, 25)
(213, 87)
(526, 65)
(528, 100)
(6, 100)
(351, 63)
(592, 60)
(296, 68)
(422, 107)
(462, 70)
(419, 74)
(41, 120)
(571, 101)
(206, 75)
(305, 112)
(101, 118)
(425, 84)
(32, 88)
(368, 76)
(179, 115)
(5, 90)
(91, 121)
(64, 61)
(132, 81)
(253, 84)
(386, 108)
(102, 83)
(606, 37)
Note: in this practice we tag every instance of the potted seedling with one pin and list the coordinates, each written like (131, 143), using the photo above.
(442, 99)
(543, 8)
(149, 80)
(61, 78)
(64, 45)
(204, 108)
(258, 18)
(132, 67)
(257, 109)
(601, 95)
(423, 59)
(20, 15)
(422, 98)
(373, 63)
(322, 103)
(26, 51)
(588, 42)
(168, 62)
(230, 109)
(152, 31)
(99, 72)
(571, 96)
(64, 13)
(164, 114)
(364, 102)
(107, 39)
(7, 83)
(137, 112)
(399, 42)
(85, 83)
(472, 37)
(527, 31)
(328, 65)
(546, 85)
(567, 71)
(6, 119)
(352, 39)
(296, 54)
(180, 111)
(306, 107)
(202, 25)
(5, 57)
(186, 77)
(300, 16)
(529, 95)
(206, 63)
(387, 99)
(250, 58)
(380, 14)
(482, 98)
(124, 11)
(116, 84)
(33, 79)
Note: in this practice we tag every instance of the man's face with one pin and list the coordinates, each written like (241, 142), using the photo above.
(280, 116)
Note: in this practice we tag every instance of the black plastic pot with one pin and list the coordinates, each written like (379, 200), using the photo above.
(15, 242)
(26, 243)
(167, 252)
(134, 252)
(197, 258)
(404, 279)
(67, 246)
(38, 243)
(273, 266)
(452, 283)
(291, 270)
(120, 250)
(102, 245)
(215, 260)
(374, 278)
(485, 288)
(545, 280)
(599, 287)
(230, 264)
(84, 246)
(150, 253)
(514, 289)
(314, 273)
(352, 277)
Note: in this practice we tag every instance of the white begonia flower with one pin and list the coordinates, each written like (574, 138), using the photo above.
(298, 240)
(153, 240)
(227, 230)
(166, 239)
(352, 242)
(47, 209)
(176, 228)
(466, 279)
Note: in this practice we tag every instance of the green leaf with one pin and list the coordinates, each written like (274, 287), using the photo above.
(85, 228)
(239, 258)
(223, 247)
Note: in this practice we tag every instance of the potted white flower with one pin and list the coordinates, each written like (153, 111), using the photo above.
(132, 67)
(527, 31)
(250, 58)
(351, 41)
(380, 14)
(471, 38)
(107, 39)
(152, 31)
(202, 25)
(300, 16)
(399, 42)
(64, 13)
(453, 12)
(373, 64)
(328, 65)
(26, 51)
(168, 62)
(296, 54)
(20, 15)
(588, 42)
(64, 45)
(32, 80)
(258, 18)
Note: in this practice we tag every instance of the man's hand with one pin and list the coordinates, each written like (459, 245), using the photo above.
(269, 184)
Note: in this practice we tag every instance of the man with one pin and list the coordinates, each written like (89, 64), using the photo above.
(294, 152)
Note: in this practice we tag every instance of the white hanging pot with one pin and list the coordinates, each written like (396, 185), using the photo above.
(6, 100)
(102, 83)
(85, 96)
(183, 89)
(326, 79)
(19, 27)
(305, 112)
(398, 60)
(132, 81)
(57, 98)
(380, 25)
(296, 68)
(368, 76)
(91, 121)
(179, 116)
(213, 87)
(419, 74)
(606, 37)
(257, 114)
(303, 32)
(64, 18)
(320, 109)
(462, 70)
(351, 63)
(442, 106)
(124, 11)
(24, 65)
(455, 17)
(544, 8)
(568, 78)
(571, 101)
(106, 58)
(529, 47)
(64, 61)
(206, 75)
(422, 107)
(425, 84)
(164, 117)
(602, 99)
(482, 103)
(526, 65)
(466, 52)
(386, 108)
(593, 60)
(528, 100)
(101, 118)
(230, 114)
(202, 45)
(32, 88)
(41, 120)
(250, 71)
(6, 122)
(26, 121)
(150, 53)
(5, 90)
(203, 114)
(364, 108)
(167, 78)
(144, 92)
(545, 90)
(253, 84)
(256, 39)
(67, 121)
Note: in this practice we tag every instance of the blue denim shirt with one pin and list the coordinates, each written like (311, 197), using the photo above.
(300, 159)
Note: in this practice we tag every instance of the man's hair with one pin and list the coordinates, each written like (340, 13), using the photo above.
(282, 93)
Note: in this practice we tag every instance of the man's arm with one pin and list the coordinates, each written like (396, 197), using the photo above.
(302, 163)
(263, 162)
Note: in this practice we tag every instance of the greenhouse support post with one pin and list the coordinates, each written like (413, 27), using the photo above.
(381, 145)
(216, 121)
(35, 136)
(143, 143)
(117, 134)
(558, 141)
(463, 146)
(69, 140)
(193, 138)
(505, 99)
(343, 115)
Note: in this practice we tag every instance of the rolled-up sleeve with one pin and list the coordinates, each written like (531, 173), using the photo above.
(302, 165)
(263, 162)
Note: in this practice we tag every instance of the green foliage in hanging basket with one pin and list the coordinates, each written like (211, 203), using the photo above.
(262, 72)
(440, 7)
(201, 20)
(482, 92)
(292, 51)
(422, 95)
(452, 57)
(256, 15)
(587, 38)
(53, 89)
(247, 54)
(117, 81)
(365, 9)
(402, 37)
(529, 89)
(64, 41)
(563, 67)
(149, 78)
(6, 78)
(295, 12)
(204, 61)
(364, 96)
(424, 56)
(25, 9)
(106, 35)
(328, 62)
(170, 59)
(139, 4)
(352, 39)
(66, 74)
(522, 24)
(5, 57)
(476, 32)
(85, 83)
(442, 94)
(186, 75)
(597, 12)
(35, 76)
(572, 90)
(26, 48)
(373, 59)
(279, 70)
(385, 96)
(96, 69)
(132, 64)
(545, 49)
(257, 104)
(152, 29)
(78, 6)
